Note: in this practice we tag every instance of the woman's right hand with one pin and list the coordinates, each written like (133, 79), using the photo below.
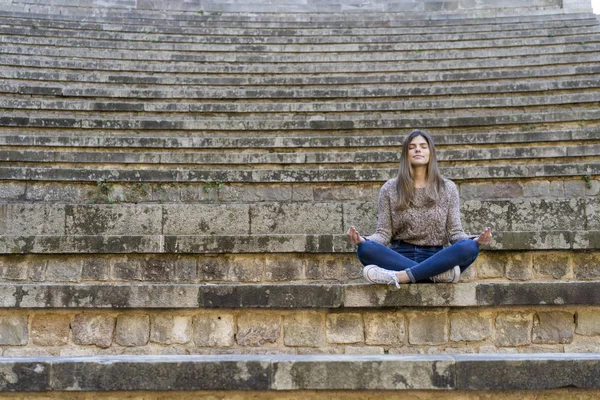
(354, 237)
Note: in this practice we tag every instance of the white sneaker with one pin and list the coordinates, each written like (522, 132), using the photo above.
(375, 274)
(450, 276)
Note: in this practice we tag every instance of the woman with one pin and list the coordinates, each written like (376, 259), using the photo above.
(419, 211)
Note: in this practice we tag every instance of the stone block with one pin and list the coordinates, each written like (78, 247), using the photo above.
(58, 193)
(384, 328)
(361, 215)
(25, 376)
(477, 214)
(95, 269)
(185, 269)
(258, 329)
(330, 372)
(326, 267)
(213, 329)
(256, 193)
(12, 191)
(490, 266)
(553, 327)
(117, 219)
(158, 374)
(32, 219)
(206, 219)
(50, 329)
(170, 329)
(284, 268)
(64, 270)
(592, 211)
(14, 269)
(211, 268)
(547, 215)
(588, 322)
(555, 265)
(537, 189)
(303, 329)
(126, 268)
(585, 265)
(132, 330)
(428, 327)
(467, 326)
(513, 329)
(156, 269)
(13, 330)
(36, 270)
(519, 267)
(497, 190)
(93, 329)
(345, 328)
(302, 192)
(296, 218)
(575, 188)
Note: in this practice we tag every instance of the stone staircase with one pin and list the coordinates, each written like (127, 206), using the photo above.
(176, 189)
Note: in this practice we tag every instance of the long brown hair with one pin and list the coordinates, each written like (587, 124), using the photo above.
(405, 183)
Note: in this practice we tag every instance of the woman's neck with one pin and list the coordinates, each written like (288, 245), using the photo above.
(419, 177)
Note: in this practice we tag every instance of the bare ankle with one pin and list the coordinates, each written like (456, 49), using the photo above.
(403, 277)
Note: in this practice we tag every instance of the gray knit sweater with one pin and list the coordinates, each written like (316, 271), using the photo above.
(420, 224)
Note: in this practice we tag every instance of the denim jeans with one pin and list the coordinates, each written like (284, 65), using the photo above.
(419, 262)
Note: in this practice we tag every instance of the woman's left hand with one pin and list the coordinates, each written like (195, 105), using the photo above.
(486, 237)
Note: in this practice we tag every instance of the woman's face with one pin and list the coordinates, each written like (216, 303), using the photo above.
(418, 152)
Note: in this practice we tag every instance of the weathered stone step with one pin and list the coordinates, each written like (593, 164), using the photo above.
(270, 268)
(154, 17)
(156, 45)
(295, 296)
(181, 175)
(270, 26)
(309, 372)
(248, 39)
(257, 243)
(531, 135)
(328, 157)
(505, 100)
(250, 57)
(372, 91)
(312, 218)
(463, 76)
(303, 68)
(315, 123)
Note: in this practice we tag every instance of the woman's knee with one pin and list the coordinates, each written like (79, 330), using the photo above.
(365, 249)
(470, 248)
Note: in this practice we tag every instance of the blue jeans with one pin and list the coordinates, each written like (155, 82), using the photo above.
(419, 262)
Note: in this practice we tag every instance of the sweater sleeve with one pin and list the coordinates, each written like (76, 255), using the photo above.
(384, 217)
(453, 225)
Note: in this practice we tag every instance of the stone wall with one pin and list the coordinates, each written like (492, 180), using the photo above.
(556, 329)
(319, 6)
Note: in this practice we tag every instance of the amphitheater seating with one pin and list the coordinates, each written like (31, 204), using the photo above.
(175, 190)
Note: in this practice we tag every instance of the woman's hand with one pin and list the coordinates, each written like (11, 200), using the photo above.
(486, 237)
(354, 237)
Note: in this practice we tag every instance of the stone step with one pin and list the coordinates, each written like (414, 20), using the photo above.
(265, 374)
(587, 82)
(531, 134)
(316, 123)
(270, 23)
(182, 175)
(214, 192)
(309, 218)
(78, 13)
(504, 100)
(462, 76)
(262, 243)
(271, 268)
(302, 68)
(592, 46)
(115, 37)
(155, 45)
(280, 296)
(574, 150)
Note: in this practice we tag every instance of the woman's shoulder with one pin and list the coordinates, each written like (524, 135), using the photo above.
(448, 184)
(389, 185)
